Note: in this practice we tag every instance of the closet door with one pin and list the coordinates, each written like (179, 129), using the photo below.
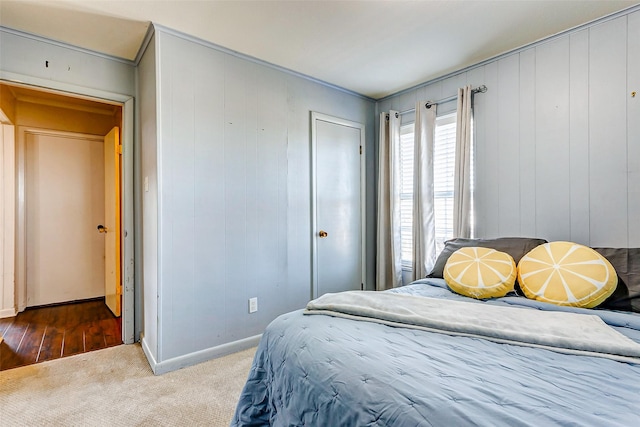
(338, 223)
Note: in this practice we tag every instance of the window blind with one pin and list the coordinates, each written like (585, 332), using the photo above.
(406, 194)
(444, 163)
(444, 154)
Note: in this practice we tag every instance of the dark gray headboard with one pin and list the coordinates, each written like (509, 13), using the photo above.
(626, 261)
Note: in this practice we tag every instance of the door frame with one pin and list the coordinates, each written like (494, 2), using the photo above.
(128, 225)
(7, 217)
(315, 118)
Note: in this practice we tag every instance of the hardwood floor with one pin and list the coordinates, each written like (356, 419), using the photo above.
(50, 332)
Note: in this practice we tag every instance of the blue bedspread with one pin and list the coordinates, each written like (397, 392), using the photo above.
(329, 371)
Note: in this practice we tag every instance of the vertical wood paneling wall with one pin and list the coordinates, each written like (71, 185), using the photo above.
(233, 194)
(146, 162)
(557, 136)
(25, 55)
(633, 128)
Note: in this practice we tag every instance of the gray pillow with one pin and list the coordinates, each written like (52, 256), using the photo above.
(626, 262)
(517, 247)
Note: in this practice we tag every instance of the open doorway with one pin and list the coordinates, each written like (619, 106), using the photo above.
(66, 183)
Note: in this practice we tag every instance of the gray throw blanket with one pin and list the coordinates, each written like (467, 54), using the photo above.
(559, 331)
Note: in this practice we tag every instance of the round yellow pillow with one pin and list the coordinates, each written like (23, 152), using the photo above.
(480, 272)
(566, 273)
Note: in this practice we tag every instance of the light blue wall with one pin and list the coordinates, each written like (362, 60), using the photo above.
(224, 142)
(233, 180)
(148, 197)
(557, 136)
(22, 55)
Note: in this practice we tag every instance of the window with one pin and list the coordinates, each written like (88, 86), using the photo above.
(444, 152)
(444, 160)
(406, 194)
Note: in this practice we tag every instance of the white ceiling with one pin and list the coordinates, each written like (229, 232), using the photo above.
(374, 48)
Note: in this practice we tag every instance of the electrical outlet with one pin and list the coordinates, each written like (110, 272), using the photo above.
(253, 304)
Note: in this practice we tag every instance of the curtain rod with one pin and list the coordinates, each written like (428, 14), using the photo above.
(479, 89)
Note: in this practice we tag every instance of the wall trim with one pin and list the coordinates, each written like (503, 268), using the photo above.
(7, 220)
(64, 88)
(255, 60)
(4, 119)
(155, 26)
(147, 352)
(64, 45)
(8, 312)
(145, 43)
(196, 357)
(517, 50)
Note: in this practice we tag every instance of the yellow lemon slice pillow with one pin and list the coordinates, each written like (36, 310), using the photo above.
(566, 273)
(480, 272)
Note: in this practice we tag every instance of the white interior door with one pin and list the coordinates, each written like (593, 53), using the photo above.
(339, 220)
(64, 198)
(111, 226)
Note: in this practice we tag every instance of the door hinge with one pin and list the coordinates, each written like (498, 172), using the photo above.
(361, 149)
(120, 149)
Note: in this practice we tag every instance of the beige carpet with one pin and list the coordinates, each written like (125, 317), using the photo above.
(115, 387)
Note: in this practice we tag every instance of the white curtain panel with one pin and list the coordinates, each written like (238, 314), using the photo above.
(389, 255)
(424, 236)
(462, 176)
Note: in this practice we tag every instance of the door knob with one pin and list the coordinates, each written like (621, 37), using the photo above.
(102, 228)
(323, 234)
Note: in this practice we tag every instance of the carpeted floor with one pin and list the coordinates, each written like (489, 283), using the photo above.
(115, 387)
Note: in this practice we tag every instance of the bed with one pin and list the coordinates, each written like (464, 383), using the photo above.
(324, 367)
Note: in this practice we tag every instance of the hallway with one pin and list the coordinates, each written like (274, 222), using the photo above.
(44, 333)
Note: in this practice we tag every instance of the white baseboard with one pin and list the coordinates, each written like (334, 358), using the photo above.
(8, 312)
(147, 352)
(194, 358)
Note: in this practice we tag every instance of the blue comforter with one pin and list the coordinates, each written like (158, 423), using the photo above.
(329, 371)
